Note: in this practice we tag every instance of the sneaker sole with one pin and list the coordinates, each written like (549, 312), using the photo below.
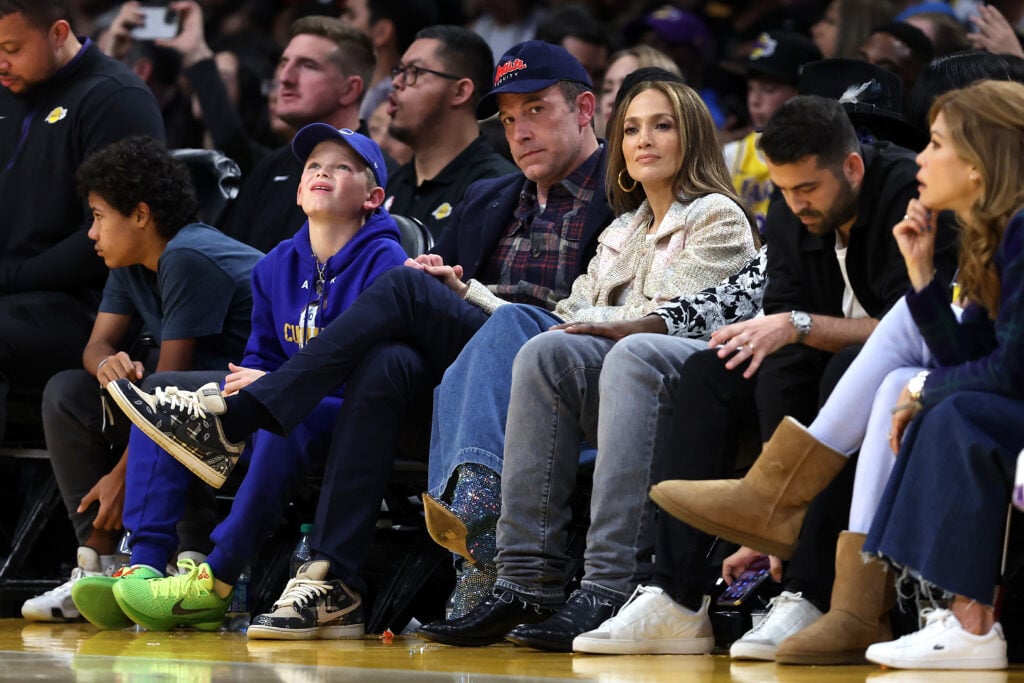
(42, 617)
(152, 623)
(714, 528)
(752, 651)
(97, 604)
(177, 451)
(684, 646)
(980, 663)
(350, 632)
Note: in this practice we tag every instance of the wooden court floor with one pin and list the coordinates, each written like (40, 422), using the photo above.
(78, 652)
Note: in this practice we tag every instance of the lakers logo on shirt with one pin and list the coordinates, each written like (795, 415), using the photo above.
(442, 211)
(56, 115)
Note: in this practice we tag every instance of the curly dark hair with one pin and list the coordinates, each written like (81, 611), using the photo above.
(140, 169)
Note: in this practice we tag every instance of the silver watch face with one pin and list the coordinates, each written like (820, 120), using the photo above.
(802, 320)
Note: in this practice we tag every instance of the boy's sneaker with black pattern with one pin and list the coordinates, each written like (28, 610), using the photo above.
(183, 423)
(312, 607)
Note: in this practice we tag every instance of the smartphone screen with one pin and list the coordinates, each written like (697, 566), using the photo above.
(158, 23)
(742, 587)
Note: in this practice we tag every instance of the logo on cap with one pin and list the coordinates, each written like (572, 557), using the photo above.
(764, 47)
(506, 68)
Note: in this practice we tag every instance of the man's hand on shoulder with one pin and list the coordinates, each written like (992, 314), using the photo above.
(754, 340)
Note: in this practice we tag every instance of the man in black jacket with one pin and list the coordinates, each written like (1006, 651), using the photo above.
(61, 99)
(833, 270)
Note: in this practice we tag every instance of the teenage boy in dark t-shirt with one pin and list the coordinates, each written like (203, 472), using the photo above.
(189, 284)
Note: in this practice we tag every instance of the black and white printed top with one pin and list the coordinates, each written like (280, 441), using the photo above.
(734, 299)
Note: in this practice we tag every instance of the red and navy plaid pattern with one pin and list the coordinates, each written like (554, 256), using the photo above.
(537, 259)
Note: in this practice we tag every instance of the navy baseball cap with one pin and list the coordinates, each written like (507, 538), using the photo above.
(529, 67)
(312, 135)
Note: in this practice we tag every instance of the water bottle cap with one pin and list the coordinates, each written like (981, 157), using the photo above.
(306, 528)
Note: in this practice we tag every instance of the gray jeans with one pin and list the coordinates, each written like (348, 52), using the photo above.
(618, 396)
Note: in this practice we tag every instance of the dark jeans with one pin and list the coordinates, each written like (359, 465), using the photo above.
(389, 349)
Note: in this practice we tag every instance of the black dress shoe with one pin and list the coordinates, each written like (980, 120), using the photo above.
(488, 622)
(584, 612)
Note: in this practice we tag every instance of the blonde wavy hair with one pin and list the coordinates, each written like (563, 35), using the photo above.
(986, 127)
(703, 170)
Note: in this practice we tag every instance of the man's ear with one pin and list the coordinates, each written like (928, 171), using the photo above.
(853, 169)
(354, 87)
(463, 92)
(141, 215)
(586, 105)
(59, 33)
(375, 199)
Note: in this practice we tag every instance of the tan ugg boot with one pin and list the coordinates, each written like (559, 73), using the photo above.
(862, 595)
(763, 510)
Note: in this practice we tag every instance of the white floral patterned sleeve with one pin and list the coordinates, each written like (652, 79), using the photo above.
(732, 300)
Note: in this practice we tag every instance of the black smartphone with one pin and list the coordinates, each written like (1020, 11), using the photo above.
(742, 587)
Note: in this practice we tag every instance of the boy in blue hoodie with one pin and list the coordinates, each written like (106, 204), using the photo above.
(299, 287)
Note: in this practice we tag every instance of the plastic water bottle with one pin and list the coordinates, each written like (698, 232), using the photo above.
(302, 554)
(237, 616)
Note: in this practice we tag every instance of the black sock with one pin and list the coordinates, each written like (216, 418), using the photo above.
(244, 416)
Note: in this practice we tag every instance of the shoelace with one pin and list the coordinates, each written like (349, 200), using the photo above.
(778, 602)
(933, 615)
(184, 584)
(298, 592)
(638, 592)
(178, 399)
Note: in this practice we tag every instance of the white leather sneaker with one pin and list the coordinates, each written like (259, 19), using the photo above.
(56, 605)
(942, 644)
(788, 613)
(651, 623)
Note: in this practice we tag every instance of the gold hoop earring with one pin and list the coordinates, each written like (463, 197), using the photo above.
(622, 185)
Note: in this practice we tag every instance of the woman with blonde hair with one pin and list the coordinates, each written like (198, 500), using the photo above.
(680, 230)
(947, 496)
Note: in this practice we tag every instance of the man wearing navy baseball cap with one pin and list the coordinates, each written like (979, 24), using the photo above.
(521, 238)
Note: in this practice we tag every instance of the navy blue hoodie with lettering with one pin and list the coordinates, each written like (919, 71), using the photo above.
(292, 302)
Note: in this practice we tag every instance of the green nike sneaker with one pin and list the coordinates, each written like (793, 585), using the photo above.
(183, 600)
(94, 596)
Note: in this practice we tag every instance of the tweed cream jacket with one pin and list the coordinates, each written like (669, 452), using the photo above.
(699, 243)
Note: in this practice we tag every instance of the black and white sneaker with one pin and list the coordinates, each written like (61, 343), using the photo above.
(311, 608)
(183, 423)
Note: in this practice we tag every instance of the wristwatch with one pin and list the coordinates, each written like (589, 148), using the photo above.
(802, 322)
(916, 385)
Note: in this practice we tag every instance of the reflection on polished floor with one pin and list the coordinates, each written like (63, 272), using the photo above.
(78, 652)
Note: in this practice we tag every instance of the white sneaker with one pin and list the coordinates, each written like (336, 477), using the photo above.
(788, 613)
(56, 604)
(651, 623)
(942, 644)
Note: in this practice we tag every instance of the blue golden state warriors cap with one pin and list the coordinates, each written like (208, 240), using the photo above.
(529, 67)
(312, 135)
